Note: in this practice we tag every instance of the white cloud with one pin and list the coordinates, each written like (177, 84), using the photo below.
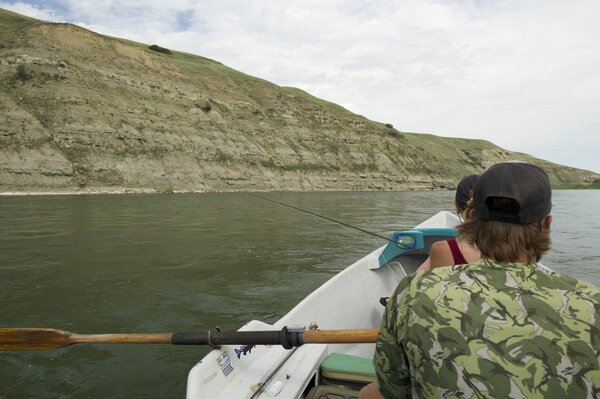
(32, 10)
(524, 75)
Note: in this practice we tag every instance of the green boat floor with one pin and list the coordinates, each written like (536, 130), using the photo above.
(338, 366)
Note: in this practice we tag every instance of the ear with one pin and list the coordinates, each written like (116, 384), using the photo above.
(470, 214)
(546, 222)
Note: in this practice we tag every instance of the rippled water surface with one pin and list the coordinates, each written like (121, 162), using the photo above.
(184, 262)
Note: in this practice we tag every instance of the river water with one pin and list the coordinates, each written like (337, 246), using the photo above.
(185, 262)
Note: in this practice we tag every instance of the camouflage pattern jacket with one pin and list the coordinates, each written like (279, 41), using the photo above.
(499, 330)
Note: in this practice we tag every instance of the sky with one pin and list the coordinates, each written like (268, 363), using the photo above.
(523, 74)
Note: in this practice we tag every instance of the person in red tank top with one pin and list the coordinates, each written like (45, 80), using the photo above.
(455, 251)
(457, 256)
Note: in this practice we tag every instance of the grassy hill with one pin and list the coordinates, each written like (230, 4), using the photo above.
(82, 111)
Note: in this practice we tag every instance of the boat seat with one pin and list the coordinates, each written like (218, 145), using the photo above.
(328, 392)
(347, 371)
(416, 241)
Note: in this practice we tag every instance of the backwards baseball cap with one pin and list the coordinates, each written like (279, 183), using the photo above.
(522, 182)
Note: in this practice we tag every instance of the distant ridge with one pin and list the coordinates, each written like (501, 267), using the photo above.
(86, 112)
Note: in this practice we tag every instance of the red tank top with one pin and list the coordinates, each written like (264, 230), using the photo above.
(459, 259)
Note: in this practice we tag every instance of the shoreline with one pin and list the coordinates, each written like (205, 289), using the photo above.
(96, 191)
(121, 191)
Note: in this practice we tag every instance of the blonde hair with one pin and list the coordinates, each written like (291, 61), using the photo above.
(467, 211)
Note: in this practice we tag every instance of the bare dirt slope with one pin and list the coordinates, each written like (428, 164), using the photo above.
(82, 111)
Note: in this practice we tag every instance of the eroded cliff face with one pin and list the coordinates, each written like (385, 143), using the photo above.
(80, 111)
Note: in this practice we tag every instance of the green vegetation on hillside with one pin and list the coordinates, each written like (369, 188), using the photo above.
(4, 88)
(159, 49)
(562, 186)
(12, 21)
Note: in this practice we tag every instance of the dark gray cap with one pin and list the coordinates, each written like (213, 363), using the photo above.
(525, 183)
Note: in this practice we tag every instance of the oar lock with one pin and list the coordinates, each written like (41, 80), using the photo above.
(290, 338)
(209, 339)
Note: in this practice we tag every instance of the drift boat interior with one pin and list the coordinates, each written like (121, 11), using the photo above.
(349, 300)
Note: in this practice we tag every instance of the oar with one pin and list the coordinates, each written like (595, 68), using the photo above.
(50, 338)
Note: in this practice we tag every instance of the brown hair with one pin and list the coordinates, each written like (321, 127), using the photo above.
(503, 241)
(464, 191)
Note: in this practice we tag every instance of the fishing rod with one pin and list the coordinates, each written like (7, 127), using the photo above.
(320, 216)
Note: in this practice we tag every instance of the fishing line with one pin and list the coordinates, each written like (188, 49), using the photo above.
(399, 244)
(323, 217)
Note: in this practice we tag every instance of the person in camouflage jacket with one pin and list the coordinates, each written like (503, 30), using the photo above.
(505, 326)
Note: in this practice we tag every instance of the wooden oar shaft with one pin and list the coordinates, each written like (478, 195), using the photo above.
(159, 338)
(49, 338)
(340, 336)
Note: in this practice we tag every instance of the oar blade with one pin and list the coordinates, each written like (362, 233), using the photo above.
(33, 339)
